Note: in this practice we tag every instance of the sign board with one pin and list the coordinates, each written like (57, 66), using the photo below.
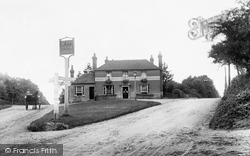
(200, 26)
(66, 46)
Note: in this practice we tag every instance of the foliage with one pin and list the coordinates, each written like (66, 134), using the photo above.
(108, 81)
(200, 87)
(16, 88)
(243, 96)
(144, 80)
(79, 74)
(234, 106)
(88, 69)
(235, 27)
(125, 81)
(166, 78)
(177, 93)
(166, 75)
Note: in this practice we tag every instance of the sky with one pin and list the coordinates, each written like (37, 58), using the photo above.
(119, 29)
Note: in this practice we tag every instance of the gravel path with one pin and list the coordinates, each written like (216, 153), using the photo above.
(177, 127)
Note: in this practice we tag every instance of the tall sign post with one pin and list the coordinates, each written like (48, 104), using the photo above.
(55, 81)
(67, 49)
(58, 81)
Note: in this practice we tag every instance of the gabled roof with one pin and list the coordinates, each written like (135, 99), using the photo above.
(85, 79)
(127, 65)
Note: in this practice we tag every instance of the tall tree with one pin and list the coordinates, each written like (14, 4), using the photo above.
(166, 77)
(235, 29)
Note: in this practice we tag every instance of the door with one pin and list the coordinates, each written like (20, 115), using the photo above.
(125, 92)
(91, 92)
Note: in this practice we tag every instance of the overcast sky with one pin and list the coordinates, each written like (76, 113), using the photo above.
(120, 29)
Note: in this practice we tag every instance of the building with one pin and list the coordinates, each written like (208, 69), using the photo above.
(117, 79)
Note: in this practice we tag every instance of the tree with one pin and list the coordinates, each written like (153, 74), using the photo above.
(200, 87)
(235, 27)
(88, 69)
(166, 77)
(79, 74)
(14, 89)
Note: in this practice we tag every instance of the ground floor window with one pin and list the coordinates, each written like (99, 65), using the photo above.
(79, 90)
(109, 89)
(144, 89)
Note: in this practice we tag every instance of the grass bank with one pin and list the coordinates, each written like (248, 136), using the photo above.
(4, 104)
(234, 110)
(92, 112)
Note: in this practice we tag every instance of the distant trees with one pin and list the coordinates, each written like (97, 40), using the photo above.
(88, 69)
(200, 87)
(16, 88)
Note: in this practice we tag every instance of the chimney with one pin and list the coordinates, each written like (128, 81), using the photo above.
(72, 72)
(152, 59)
(160, 60)
(106, 59)
(94, 63)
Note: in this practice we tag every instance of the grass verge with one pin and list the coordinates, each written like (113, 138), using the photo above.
(4, 106)
(92, 112)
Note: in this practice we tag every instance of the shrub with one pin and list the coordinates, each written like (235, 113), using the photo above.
(234, 106)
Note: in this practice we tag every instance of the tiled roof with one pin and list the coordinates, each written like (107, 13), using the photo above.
(85, 78)
(127, 65)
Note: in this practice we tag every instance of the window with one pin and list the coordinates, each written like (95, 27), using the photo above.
(144, 89)
(125, 75)
(143, 75)
(79, 90)
(109, 89)
(108, 75)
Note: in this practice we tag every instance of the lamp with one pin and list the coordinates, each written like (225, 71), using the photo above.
(135, 73)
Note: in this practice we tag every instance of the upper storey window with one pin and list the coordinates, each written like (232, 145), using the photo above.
(125, 75)
(108, 75)
(143, 75)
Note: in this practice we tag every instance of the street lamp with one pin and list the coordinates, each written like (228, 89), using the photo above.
(135, 73)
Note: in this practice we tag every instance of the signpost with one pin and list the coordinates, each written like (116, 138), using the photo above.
(57, 81)
(66, 51)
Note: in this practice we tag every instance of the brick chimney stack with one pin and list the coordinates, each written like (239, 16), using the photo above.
(160, 60)
(106, 59)
(72, 72)
(152, 59)
(94, 62)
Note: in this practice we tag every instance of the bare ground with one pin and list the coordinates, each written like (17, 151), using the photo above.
(177, 127)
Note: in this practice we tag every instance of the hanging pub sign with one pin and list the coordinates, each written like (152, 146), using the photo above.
(67, 46)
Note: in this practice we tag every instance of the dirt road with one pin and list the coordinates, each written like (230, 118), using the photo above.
(177, 127)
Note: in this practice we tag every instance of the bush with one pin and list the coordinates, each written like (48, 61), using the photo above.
(234, 106)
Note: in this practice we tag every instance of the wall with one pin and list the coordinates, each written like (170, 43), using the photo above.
(74, 99)
(153, 77)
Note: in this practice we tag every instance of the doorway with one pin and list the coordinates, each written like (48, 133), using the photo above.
(125, 92)
(91, 92)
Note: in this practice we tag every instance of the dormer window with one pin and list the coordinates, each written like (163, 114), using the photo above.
(143, 75)
(108, 75)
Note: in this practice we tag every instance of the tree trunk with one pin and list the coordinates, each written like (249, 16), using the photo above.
(229, 78)
(238, 70)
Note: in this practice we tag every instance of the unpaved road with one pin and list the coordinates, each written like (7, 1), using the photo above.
(177, 127)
